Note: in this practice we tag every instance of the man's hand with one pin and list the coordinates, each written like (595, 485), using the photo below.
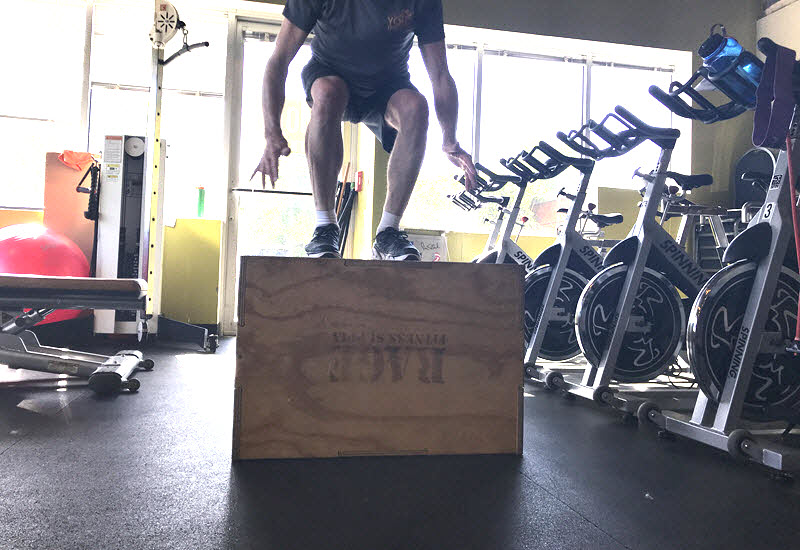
(276, 147)
(463, 160)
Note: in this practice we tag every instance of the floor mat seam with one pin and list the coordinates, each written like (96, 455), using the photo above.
(546, 490)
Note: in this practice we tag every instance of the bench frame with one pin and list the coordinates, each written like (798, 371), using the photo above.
(31, 299)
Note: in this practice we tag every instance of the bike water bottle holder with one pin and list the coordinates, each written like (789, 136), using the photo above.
(741, 90)
(707, 112)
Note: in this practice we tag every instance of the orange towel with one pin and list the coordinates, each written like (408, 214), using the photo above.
(76, 161)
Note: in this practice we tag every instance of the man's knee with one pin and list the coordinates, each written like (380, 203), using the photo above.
(408, 111)
(329, 97)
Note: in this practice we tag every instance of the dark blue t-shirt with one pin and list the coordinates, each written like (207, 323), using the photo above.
(367, 40)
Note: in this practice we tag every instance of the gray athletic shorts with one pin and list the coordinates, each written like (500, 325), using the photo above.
(370, 108)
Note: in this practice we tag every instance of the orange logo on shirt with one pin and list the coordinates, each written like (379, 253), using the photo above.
(400, 21)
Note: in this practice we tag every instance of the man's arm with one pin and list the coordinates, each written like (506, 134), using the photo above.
(290, 39)
(445, 100)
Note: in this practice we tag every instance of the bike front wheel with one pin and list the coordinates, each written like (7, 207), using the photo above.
(560, 341)
(714, 330)
(653, 335)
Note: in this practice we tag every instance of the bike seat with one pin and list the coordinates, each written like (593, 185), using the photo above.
(650, 132)
(604, 220)
(691, 182)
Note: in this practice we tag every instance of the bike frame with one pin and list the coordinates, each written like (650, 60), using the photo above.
(571, 251)
(712, 423)
(648, 245)
(500, 240)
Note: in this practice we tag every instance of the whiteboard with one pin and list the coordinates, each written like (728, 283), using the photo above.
(431, 244)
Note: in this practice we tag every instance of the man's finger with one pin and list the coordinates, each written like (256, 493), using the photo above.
(470, 166)
(470, 180)
(273, 172)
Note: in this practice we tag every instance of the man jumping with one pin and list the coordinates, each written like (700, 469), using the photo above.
(359, 72)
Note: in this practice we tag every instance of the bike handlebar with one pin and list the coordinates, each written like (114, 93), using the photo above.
(550, 168)
(497, 178)
(707, 112)
(618, 142)
(582, 164)
(514, 165)
(653, 133)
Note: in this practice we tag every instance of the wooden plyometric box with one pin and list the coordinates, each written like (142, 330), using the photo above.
(341, 357)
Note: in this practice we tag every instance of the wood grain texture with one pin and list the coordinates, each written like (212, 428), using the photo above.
(341, 357)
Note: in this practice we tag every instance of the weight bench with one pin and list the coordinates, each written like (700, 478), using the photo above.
(30, 298)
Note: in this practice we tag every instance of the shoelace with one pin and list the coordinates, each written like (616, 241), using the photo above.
(328, 232)
(393, 234)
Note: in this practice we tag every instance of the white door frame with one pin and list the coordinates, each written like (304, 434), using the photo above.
(234, 73)
(232, 135)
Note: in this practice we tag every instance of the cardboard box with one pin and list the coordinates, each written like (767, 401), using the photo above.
(348, 357)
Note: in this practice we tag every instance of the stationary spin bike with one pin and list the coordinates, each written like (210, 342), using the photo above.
(743, 337)
(572, 258)
(630, 319)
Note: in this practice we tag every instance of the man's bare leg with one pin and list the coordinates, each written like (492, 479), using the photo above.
(324, 147)
(407, 112)
(324, 151)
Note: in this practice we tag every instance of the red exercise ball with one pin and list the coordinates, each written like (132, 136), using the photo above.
(32, 249)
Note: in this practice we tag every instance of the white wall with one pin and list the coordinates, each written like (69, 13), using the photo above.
(782, 26)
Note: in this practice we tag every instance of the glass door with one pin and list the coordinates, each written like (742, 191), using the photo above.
(263, 222)
(272, 223)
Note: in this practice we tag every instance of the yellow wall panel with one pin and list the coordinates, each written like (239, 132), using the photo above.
(190, 279)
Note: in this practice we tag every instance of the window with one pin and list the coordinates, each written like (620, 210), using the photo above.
(273, 224)
(192, 102)
(429, 207)
(40, 110)
(529, 95)
(524, 101)
(612, 86)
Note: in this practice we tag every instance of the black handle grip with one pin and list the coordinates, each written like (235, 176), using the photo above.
(514, 166)
(579, 143)
(651, 132)
(496, 178)
(579, 163)
(606, 135)
(533, 161)
(480, 168)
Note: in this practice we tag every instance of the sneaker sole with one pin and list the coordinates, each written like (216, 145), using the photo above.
(328, 255)
(404, 258)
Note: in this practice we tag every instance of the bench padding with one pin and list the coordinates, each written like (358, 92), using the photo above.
(137, 287)
(36, 291)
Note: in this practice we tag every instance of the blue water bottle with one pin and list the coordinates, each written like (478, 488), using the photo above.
(732, 69)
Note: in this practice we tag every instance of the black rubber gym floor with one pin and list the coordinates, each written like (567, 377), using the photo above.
(153, 470)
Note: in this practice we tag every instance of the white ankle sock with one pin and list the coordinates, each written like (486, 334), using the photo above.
(388, 220)
(325, 217)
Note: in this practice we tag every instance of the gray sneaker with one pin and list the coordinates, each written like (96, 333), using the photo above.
(325, 242)
(391, 244)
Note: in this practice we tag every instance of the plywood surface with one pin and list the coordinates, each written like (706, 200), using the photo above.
(345, 357)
